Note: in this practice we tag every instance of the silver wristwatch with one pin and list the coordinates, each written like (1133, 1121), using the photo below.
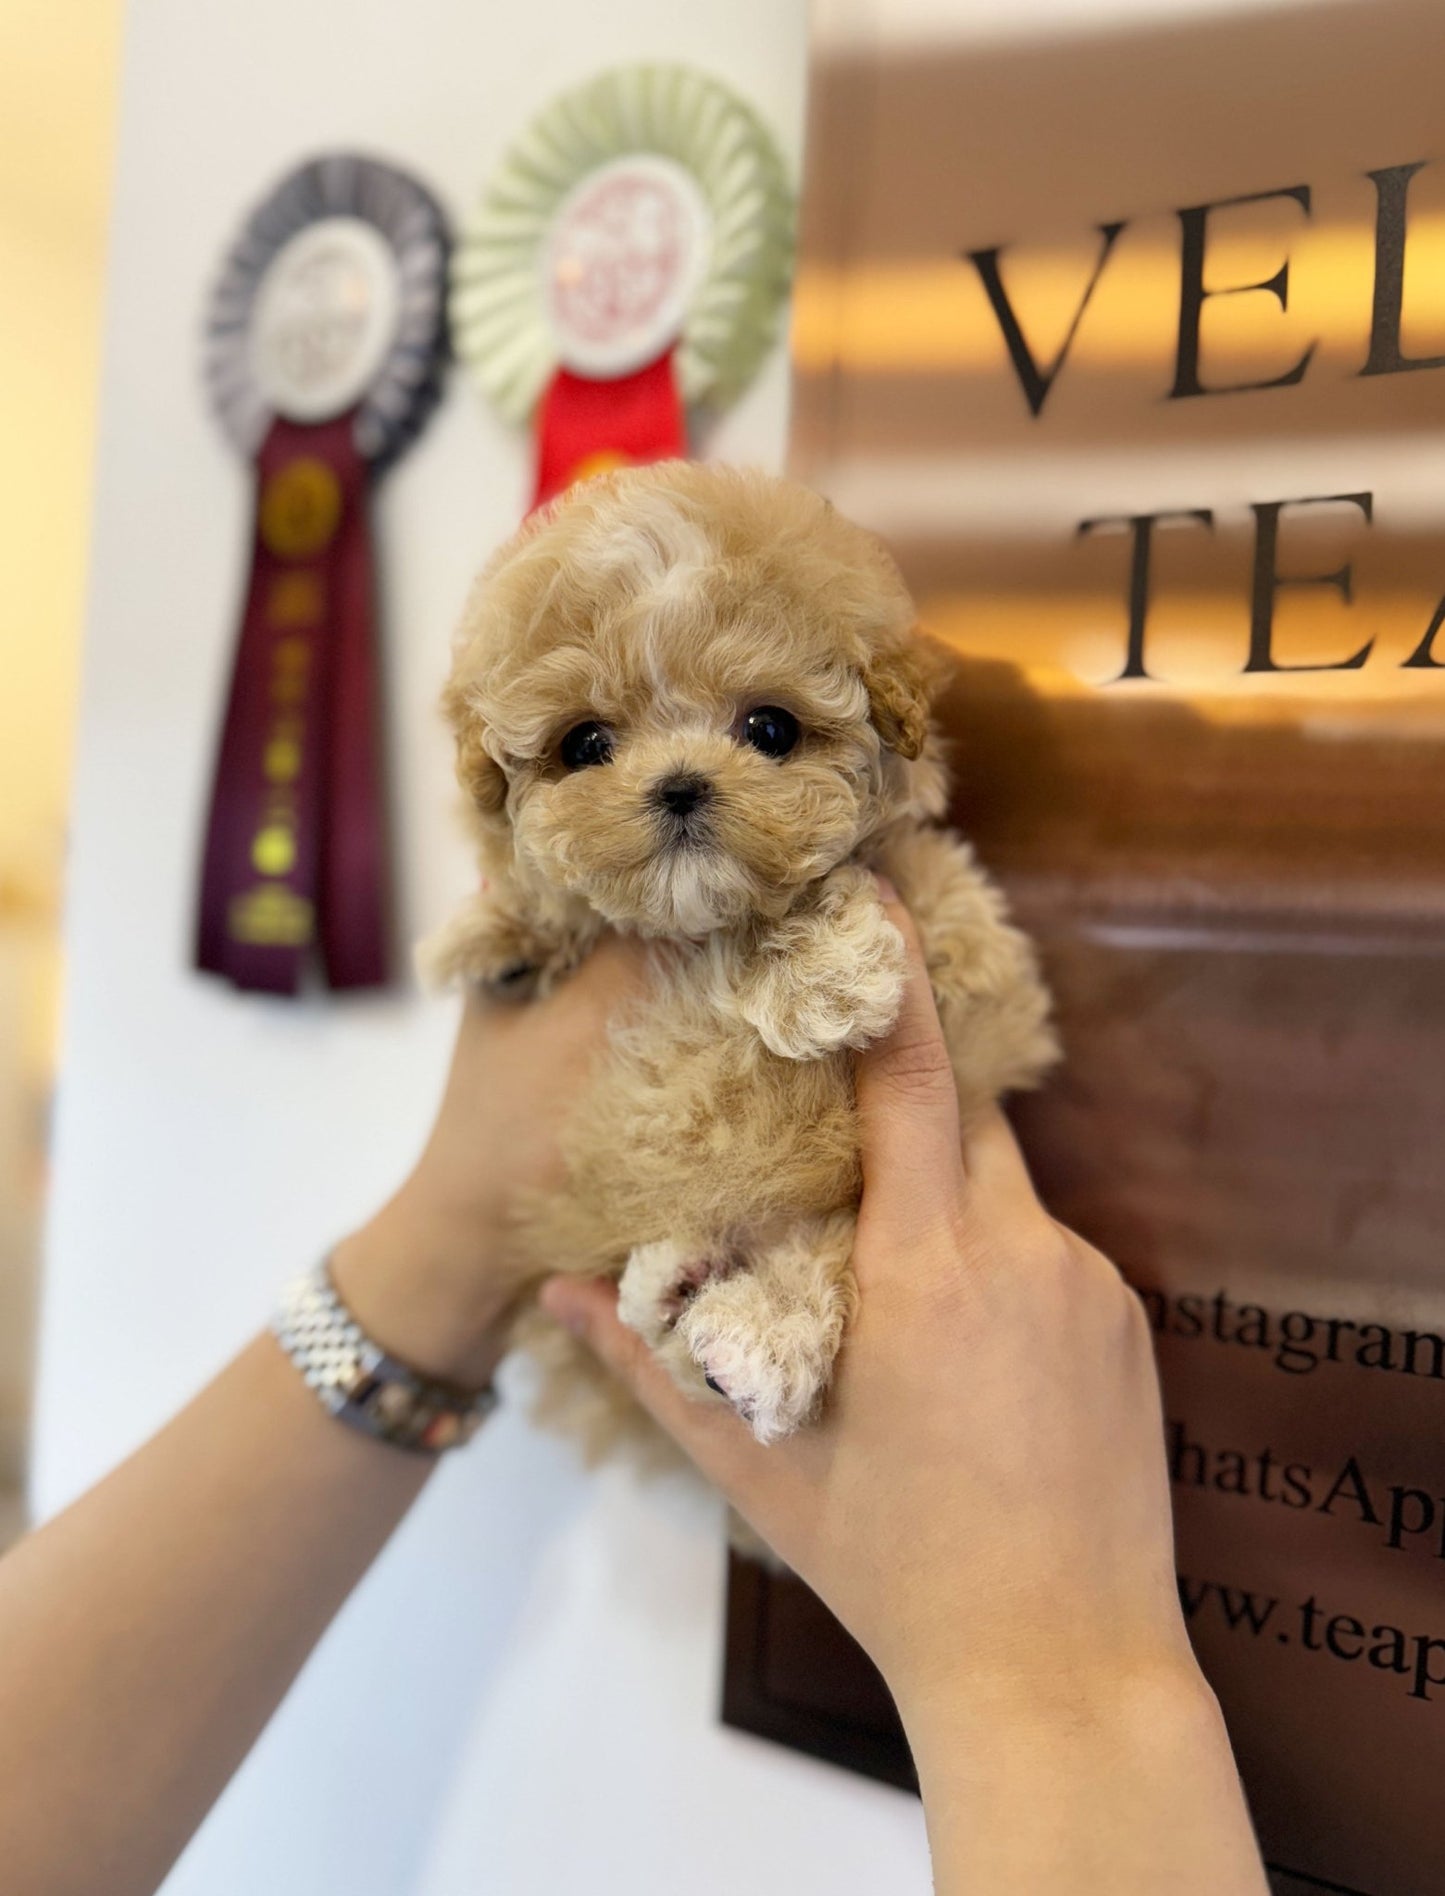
(360, 1384)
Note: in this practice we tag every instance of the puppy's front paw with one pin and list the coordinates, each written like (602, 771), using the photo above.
(830, 978)
(489, 948)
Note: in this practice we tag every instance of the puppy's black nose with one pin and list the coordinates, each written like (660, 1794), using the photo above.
(681, 795)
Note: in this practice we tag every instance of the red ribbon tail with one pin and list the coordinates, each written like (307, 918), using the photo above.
(585, 427)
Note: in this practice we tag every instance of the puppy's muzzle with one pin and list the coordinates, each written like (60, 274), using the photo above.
(681, 795)
(680, 804)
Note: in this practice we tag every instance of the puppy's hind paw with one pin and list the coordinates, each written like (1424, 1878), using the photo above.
(756, 1325)
(774, 1378)
(765, 1337)
(659, 1283)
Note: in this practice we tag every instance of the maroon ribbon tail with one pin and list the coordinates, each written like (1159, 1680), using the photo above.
(354, 894)
(295, 843)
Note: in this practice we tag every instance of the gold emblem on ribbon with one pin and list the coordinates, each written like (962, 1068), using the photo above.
(271, 917)
(300, 509)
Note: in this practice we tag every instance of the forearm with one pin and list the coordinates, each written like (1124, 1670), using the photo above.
(1114, 1790)
(148, 1633)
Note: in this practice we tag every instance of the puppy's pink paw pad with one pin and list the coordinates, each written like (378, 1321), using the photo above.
(774, 1393)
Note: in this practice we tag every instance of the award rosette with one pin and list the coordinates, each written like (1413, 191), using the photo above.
(627, 263)
(325, 345)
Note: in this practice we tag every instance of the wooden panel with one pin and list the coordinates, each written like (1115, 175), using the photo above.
(1234, 864)
(795, 1676)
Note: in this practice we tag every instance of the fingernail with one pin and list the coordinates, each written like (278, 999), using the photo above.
(557, 1300)
(885, 886)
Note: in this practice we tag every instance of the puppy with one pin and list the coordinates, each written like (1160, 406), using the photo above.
(689, 705)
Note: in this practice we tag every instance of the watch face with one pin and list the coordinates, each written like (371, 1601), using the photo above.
(325, 315)
(393, 1404)
(622, 260)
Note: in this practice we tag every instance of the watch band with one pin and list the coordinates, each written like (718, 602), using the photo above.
(360, 1384)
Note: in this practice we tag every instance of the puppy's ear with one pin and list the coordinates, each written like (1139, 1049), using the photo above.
(478, 772)
(899, 688)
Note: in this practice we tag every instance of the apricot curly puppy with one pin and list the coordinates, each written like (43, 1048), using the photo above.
(689, 705)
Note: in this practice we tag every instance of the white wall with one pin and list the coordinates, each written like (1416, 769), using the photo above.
(521, 1697)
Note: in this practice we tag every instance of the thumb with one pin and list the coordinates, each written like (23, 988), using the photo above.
(907, 1104)
(587, 1307)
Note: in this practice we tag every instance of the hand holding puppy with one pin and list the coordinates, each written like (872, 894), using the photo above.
(985, 1505)
(995, 1423)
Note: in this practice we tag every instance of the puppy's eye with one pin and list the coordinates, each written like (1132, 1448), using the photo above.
(587, 744)
(771, 730)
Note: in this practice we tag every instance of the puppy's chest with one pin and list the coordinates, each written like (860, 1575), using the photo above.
(694, 1085)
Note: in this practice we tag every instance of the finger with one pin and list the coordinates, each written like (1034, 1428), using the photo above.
(994, 1165)
(618, 961)
(601, 989)
(613, 970)
(708, 1433)
(907, 1104)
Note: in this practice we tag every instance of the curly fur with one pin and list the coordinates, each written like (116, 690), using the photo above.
(712, 1160)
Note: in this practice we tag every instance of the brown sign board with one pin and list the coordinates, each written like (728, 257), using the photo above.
(1131, 342)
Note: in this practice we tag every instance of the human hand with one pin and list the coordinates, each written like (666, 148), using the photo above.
(984, 1503)
(432, 1274)
(985, 1499)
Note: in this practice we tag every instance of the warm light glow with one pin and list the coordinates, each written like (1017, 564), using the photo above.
(57, 84)
(1066, 644)
(922, 317)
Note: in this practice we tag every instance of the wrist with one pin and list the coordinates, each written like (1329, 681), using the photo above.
(1064, 1741)
(1024, 1780)
(1117, 1705)
(426, 1290)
